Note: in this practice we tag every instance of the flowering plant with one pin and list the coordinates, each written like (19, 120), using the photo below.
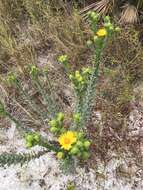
(71, 142)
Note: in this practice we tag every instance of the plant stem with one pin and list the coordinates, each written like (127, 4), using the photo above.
(32, 104)
(52, 93)
(89, 95)
(18, 124)
(47, 99)
(49, 146)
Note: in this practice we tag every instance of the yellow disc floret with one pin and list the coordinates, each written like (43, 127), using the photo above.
(67, 139)
(101, 32)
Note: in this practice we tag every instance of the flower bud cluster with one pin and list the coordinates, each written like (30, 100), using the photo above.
(100, 34)
(110, 28)
(34, 71)
(93, 18)
(32, 139)
(80, 79)
(57, 124)
(12, 78)
(63, 59)
(80, 147)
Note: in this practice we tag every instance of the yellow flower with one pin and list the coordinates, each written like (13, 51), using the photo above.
(67, 139)
(101, 32)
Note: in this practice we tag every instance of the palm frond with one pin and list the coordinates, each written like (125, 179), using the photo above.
(129, 14)
(130, 9)
(101, 7)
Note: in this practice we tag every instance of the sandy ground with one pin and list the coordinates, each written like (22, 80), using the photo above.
(44, 173)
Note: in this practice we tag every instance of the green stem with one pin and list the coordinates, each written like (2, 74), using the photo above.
(52, 93)
(78, 109)
(49, 146)
(89, 95)
(47, 99)
(32, 104)
(18, 124)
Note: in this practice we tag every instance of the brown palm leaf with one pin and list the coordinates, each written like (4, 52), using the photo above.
(101, 7)
(129, 14)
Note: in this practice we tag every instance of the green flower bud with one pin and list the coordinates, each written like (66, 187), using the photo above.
(29, 138)
(87, 144)
(77, 74)
(85, 155)
(34, 71)
(71, 77)
(60, 116)
(60, 155)
(29, 144)
(80, 135)
(80, 79)
(53, 123)
(79, 144)
(77, 117)
(108, 25)
(63, 58)
(82, 82)
(53, 130)
(95, 38)
(12, 79)
(117, 29)
(37, 137)
(74, 151)
(89, 43)
(95, 18)
(89, 13)
(111, 28)
(107, 19)
(92, 14)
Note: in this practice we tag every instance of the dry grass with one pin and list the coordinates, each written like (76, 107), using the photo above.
(43, 27)
(42, 31)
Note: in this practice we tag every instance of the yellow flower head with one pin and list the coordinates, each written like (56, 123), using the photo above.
(101, 32)
(67, 139)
